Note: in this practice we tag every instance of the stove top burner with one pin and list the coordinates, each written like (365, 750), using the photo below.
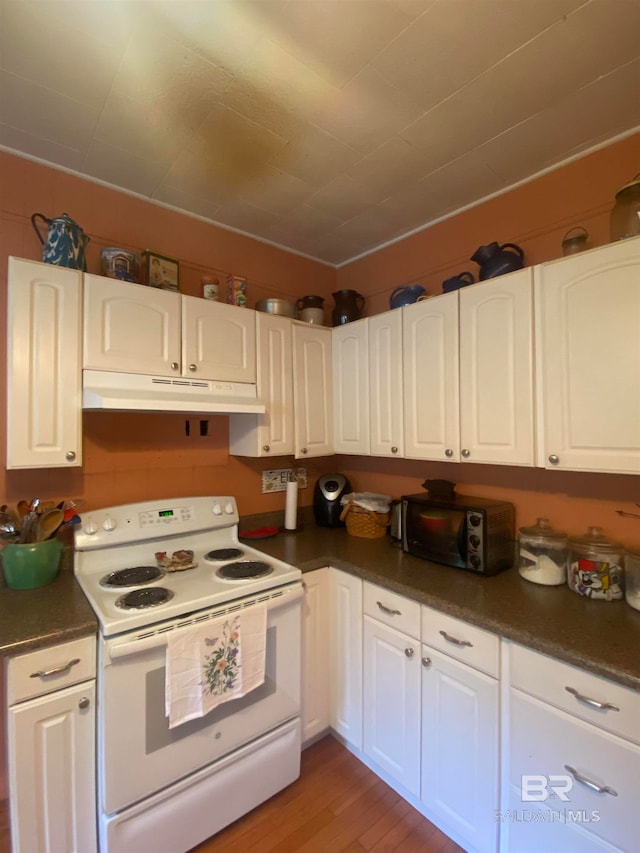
(224, 554)
(244, 570)
(141, 599)
(134, 576)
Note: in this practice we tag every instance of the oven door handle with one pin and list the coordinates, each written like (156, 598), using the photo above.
(159, 639)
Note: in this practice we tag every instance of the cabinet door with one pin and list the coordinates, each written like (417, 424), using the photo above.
(51, 772)
(270, 434)
(44, 379)
(588, 321)
(430, 352)
(315, 660)
(218, 341)
(350, 344)
(392, 703)
(345, 642)
(312, 395)
(130, 328)
(385, 384)
(496, 370)
(460, 748)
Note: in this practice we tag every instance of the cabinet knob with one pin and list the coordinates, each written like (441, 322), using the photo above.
(408, 653)
(394, 449)
(466, 453)
(426, 662)
(174, 365)
(192, 368)
(84, 703)
(303, 450)
(266, 447)
(70, 455)
(553, 459)
(448, 452)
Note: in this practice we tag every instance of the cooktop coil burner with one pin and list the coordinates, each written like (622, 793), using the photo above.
(244, 570)
(224, 554)
(134, 576)
(141, 599)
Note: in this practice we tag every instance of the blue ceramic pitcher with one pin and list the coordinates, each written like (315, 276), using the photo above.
(65, 244)
(406, 294)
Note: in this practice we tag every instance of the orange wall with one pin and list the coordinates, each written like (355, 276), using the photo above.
(130, 457)
(536, 216)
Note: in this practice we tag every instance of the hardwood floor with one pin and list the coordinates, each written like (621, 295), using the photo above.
(336, 805)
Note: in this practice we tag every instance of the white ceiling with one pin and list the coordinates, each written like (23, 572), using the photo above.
(326, 126)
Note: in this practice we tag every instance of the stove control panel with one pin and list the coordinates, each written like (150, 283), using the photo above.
(154, 519)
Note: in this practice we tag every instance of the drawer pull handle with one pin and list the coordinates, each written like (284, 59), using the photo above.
(603, 706)
(455, 640)
(388, 610)
(64, 668)
(601, 789)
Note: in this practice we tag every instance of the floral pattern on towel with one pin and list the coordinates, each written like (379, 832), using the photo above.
(221, 668)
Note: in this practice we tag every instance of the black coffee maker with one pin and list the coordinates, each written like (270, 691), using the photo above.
(326, 499)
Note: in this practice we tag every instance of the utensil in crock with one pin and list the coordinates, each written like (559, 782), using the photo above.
(48, 524)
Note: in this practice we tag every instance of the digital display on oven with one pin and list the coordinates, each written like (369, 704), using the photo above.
(166, 513)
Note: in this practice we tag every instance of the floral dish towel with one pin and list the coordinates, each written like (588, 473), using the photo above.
(214, 662)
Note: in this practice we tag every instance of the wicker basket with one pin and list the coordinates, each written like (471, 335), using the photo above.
(364, 522)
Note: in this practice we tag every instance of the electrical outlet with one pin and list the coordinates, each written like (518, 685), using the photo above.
(276, 480)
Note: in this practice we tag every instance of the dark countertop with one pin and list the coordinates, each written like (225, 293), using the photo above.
(34, 618)
(599, 636)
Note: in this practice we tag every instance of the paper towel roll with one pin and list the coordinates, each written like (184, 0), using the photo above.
(291, 506)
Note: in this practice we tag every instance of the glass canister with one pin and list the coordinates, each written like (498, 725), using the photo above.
(632, 578)
(543, 553)
(595, 566)
(625, 217)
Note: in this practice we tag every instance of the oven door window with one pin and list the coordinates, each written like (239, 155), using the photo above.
(138, 753)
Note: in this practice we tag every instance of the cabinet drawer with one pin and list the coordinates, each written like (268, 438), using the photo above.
(543, 742)
(576, 691)
(50, 669)
(392, 609)
(465, 642)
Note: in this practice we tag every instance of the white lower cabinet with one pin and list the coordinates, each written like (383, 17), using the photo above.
(51, 749)
(345, 644)
(570, 785)
(459, 788)
(391, 719)
(315, 660)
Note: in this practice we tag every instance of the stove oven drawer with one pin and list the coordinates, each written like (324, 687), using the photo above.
(45, 670)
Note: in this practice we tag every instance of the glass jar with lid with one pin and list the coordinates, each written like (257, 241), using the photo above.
(595, 566)
(625, 216)
(543, 553)
(632, 577)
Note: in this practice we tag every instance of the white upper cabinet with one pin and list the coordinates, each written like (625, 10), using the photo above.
(350, 344)
(270, 434)
(588, 327)
(312, 394)
(44, 415)
(130, 328)
(430, 357)
(496, 371)
(385, 384)
(218, 340)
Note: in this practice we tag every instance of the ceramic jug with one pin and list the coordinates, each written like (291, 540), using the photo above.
(405, 295)
(65, 244)
(457, 281)
(496, 260)
(309, 302)
(348, 307)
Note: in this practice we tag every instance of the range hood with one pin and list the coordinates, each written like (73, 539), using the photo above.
(128, 392)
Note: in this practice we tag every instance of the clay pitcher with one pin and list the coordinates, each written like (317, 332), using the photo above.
(348, 306)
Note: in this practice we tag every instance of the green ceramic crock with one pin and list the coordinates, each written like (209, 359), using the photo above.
(30, 566)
